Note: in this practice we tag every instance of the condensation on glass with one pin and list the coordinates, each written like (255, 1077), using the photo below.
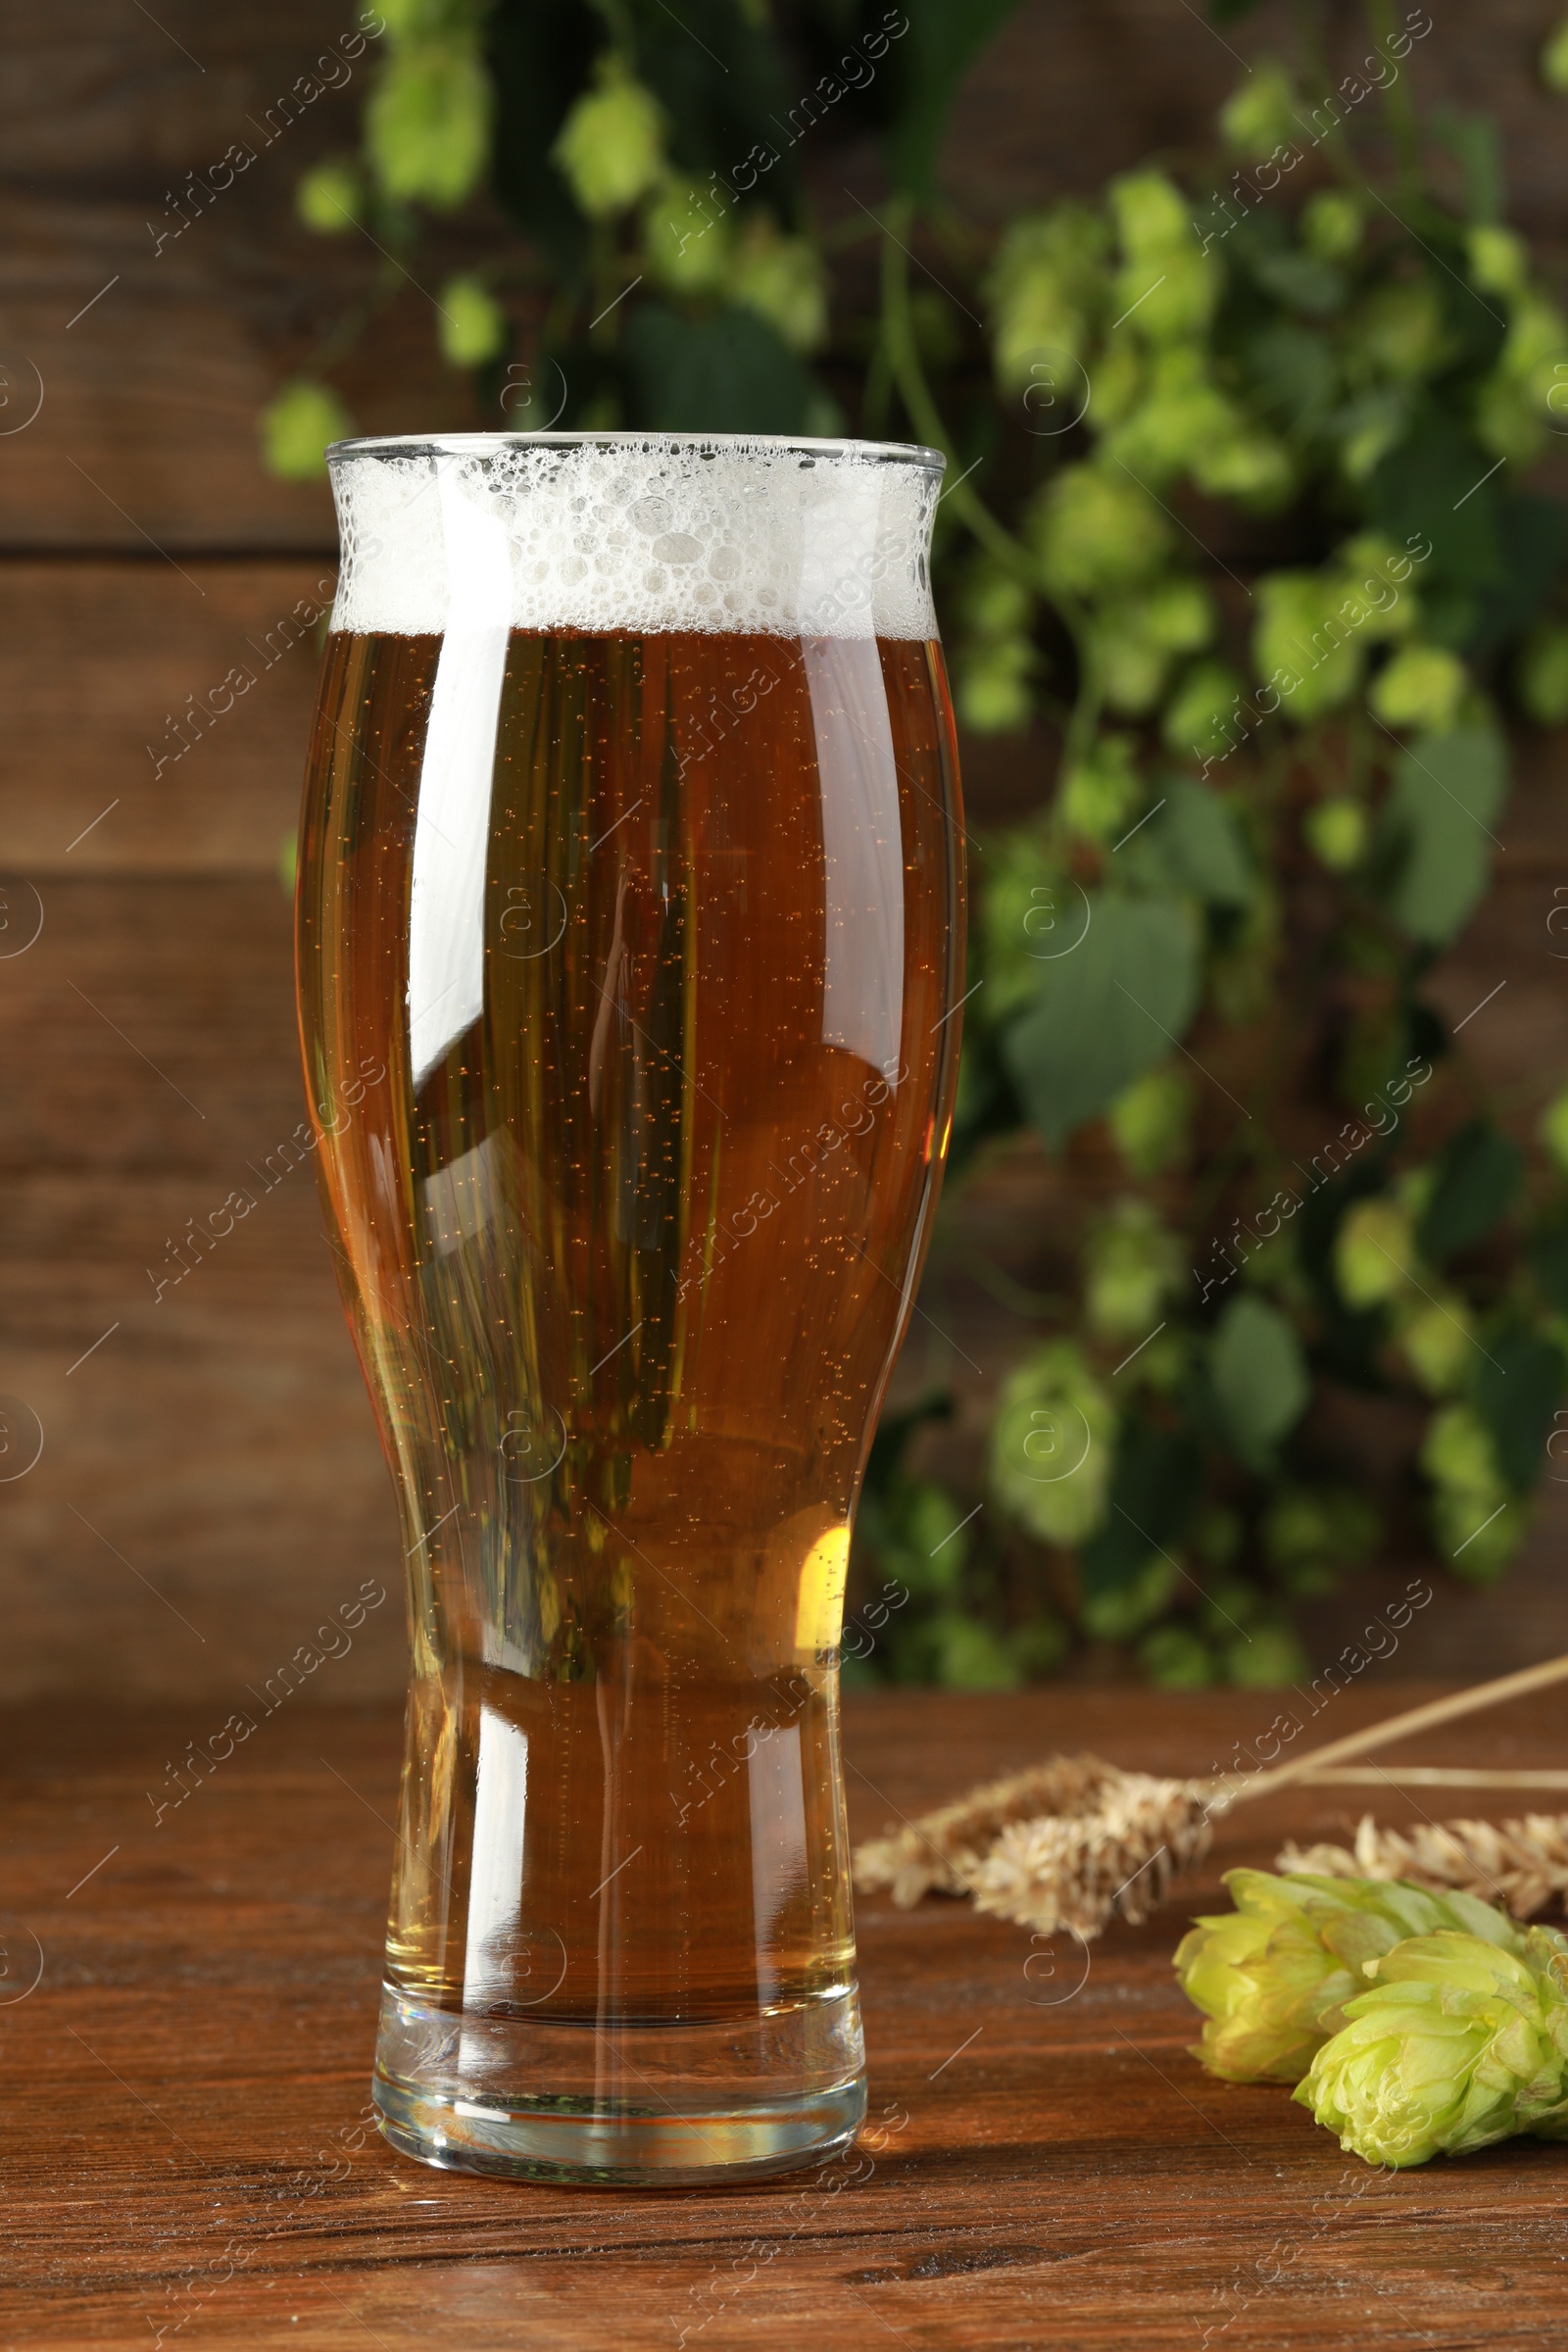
(629, 934)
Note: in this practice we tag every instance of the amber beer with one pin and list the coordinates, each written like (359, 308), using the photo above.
(631, 847)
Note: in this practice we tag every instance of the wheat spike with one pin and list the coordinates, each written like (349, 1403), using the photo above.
(1523, 1865)
(1076, 1842)
(1070, 1843)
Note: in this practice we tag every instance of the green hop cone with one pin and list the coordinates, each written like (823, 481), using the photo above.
(427, 123)
(611, 147)
(781, 278)
(472, 325)
(1461, 2041)
(1422, 686)
(297, 426)
(329, 199)
(1272, 1977)
(1555, 61)
(1541, 674)
(1132, 1265)
(1336, 831)
(1331, 224)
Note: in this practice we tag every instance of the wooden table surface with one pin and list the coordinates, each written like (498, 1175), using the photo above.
(1046, 2166)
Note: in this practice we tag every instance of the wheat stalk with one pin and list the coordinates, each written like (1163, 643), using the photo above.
(1076, 1841)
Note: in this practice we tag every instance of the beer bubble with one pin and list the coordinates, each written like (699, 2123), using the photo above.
(20, 1962)
(21, 918)
(1052, 1976)
(21, 391)
(21, 1439)
(533, 1444)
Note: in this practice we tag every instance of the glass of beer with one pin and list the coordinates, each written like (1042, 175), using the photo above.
(631, 857)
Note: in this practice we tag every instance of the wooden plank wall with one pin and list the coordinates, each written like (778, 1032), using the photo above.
(209, 1485)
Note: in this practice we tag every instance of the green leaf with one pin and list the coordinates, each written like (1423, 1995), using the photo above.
(1517, 1387)
(1447, 790)
(730, 373)
(1201, 844)
(1260, 1378)
(1535, 547)
(1478, 1176)
(1104, 1011)
(1432, 491)
(1154, 1487)
(928, 64)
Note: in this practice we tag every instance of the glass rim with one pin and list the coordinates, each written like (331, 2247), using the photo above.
(436, 445)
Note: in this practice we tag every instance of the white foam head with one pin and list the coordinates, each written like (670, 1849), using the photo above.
(649, 533)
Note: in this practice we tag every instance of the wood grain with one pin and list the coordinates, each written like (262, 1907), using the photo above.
(186, 2084)
(167, 706)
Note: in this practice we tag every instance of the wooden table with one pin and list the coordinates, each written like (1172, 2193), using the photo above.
(1046, 2165)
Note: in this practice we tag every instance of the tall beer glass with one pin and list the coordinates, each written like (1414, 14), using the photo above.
(631, 855)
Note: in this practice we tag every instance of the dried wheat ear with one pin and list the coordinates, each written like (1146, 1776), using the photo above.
(1072, 1843)
(1523, 1865)
(1076, 1842)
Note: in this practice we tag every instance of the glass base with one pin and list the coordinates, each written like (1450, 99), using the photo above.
(651, 2105)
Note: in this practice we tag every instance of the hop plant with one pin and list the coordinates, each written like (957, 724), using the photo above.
(1461, 2040)
(1133, 1265)
(1541, 674)
(1554, 60)
(1474, 1532)
(1100, 790)
(329, 199)
(782, 279)
(611, 147)
(1262, 113)
(1422, 686)
(472, 323)
(1374, 1253)
(1152, 1121)
(1273, 1976)
(1300, 641)
(1553, 1130)
(1052, 1445)
(298, 425)
(427, 123)
(688, 246)
(1045, 290)
(1095, 531)
(1331, 224)
(1335, 830)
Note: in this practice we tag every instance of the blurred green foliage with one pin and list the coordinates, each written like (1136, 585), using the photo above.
(1237, 510)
